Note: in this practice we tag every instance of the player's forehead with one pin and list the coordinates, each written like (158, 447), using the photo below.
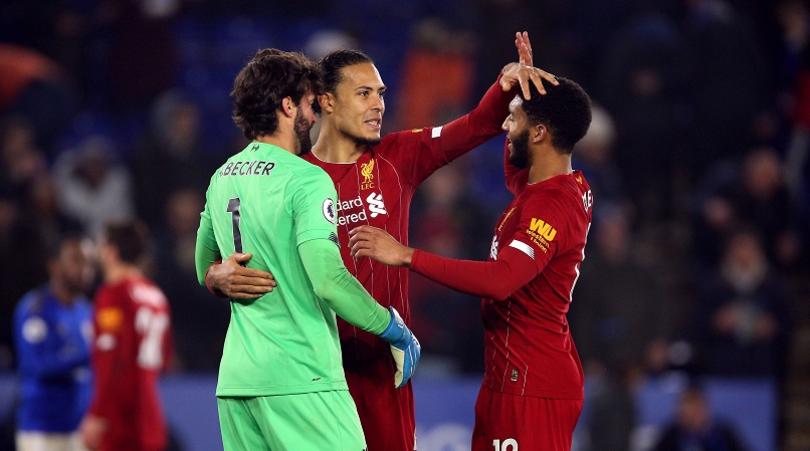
(516, 105)
(361, 75)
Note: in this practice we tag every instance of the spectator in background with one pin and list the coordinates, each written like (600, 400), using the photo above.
(742, 319)
(594, 157)
(93, 188)
(21, 158)
(52, 331)
(694, 429)
(616, 319)
(199, 326)
(21, 268)
(431, 99)
(643, 79)
(32, 86)
(41, 213)
(756, 195)
(142, 56)
(449, 224)
(171, 155)
(730, 88)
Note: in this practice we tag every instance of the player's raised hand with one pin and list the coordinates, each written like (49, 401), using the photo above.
(368, 241)
(523, 72)
(238, 282)
(405, 348)
(524, 47)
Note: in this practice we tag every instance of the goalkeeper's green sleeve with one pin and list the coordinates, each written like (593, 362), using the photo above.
(206, 251)
(334, 284)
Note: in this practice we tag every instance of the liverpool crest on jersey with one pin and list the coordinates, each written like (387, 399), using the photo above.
(367, 171)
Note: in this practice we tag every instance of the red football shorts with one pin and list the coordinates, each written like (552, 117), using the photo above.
(505, 422)
(386, 413)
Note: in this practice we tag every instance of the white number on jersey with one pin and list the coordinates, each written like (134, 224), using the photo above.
(151, 325)
(509, 444)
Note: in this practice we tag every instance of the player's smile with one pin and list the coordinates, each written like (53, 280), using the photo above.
(374, 124)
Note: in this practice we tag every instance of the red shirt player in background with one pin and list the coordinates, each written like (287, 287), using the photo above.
(532, 391)
(376, 178)
(131, 348)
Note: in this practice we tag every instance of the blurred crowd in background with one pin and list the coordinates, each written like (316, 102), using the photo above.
(698, 156)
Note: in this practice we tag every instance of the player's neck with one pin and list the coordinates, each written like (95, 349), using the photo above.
(336, 147)
(548, 163)
(286, 141)
(64, 295)
(120, 271)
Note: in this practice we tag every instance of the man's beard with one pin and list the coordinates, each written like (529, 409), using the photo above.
(359, 141)
(365, 142)
(519, 157)
(302, 128)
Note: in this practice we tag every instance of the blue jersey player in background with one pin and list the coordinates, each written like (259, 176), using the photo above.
(52, 333)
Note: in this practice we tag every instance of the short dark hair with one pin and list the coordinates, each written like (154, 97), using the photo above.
(332, 63)
(53, 250)
(129, 238)
(565, 110)
(269, 77)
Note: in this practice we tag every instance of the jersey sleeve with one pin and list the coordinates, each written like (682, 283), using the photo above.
(420, 152)
(542, 228)
(38, 348)
(313, 206)
(206, 250)
(109, 324)
(333, 283)
(514, 177)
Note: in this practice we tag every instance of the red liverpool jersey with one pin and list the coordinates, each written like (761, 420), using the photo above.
(377, 190)
(132, 345)
(528, 345)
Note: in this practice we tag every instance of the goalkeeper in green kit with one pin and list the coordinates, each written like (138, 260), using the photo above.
(281, 384)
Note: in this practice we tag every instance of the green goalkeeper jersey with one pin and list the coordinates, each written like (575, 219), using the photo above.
(267, 201)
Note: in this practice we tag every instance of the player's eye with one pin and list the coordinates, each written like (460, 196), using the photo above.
(382, 94)
(364, 93)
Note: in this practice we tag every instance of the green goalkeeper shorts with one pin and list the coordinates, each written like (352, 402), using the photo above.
(318, 421)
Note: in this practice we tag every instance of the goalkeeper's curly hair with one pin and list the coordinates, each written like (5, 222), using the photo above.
(269, 77)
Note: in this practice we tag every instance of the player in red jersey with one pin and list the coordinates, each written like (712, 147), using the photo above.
(131, 348)
(532, 391)
(376, 178)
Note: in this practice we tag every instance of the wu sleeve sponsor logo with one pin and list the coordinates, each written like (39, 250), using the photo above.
(543, 228)
(541, 233)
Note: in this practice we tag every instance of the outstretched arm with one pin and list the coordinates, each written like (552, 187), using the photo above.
(333, 283)
(494, 279)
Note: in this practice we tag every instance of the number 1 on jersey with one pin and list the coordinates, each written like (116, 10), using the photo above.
(233, 209)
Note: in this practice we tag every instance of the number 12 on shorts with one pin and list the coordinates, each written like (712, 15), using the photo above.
(509, 444)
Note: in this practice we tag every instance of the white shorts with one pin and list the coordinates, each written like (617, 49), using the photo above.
(47, 441)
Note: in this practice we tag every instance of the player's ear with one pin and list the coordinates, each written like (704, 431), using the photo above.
(327, 102)
(288, 107)
(538, 133)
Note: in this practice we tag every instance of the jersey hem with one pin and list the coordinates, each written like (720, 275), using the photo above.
(285, 390)
(577, 394)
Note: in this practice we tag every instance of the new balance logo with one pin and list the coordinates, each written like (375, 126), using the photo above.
(376, 205)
